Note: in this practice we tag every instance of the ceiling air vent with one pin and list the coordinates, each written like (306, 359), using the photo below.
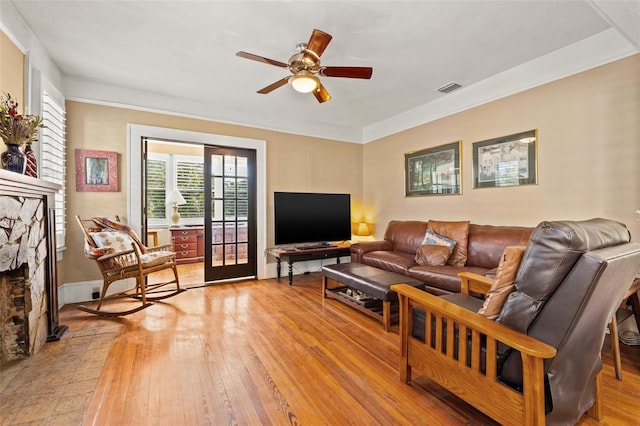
(449, 87)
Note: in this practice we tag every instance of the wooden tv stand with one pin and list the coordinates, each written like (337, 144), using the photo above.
(292, 255)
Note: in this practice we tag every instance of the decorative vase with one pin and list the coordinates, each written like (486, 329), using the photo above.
(13, 159)
(32, 166)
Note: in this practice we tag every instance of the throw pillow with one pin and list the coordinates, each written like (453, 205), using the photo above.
(118, 241)
(433, 255)
(433, 239)
(94, 252)
(456, 231)
(504, 283)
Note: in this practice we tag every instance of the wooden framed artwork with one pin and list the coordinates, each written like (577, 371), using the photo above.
(506, 161)
(96, 171)
(433, 171)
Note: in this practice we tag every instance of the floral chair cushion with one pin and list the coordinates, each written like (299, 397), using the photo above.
(94, 252)
(115, 240)
(156, 258)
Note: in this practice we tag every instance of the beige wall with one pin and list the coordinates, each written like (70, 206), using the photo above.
(11, 70)
(588, 155)
(294, 163)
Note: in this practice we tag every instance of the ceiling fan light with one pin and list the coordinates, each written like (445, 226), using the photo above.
(304, 82)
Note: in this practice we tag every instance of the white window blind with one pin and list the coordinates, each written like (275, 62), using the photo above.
(190, 183)
(165, 172)
(156, 188)
(53, 159)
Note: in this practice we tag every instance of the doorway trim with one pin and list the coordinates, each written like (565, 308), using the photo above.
(135, 134)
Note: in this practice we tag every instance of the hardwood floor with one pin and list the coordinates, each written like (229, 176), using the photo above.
(264, 352)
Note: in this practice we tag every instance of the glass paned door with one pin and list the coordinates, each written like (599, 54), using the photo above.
(230, 246)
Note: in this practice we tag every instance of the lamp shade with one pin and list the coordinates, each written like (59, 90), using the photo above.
(175, 197)
(363, 229)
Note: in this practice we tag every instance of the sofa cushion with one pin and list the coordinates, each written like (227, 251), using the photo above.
(433, 255)
(405, 235)
(393, 261)
(503, 284)
(444, 277)
(458, 232)
(487, 242)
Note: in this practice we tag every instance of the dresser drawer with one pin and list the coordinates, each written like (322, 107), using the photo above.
(186, 232)
(186, 254)
(185, 239)
(179, 246)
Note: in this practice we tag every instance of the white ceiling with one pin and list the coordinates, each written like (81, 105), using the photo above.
(179, 56)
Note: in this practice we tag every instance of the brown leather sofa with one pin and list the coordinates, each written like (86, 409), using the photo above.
(396, 253)
(539, 361)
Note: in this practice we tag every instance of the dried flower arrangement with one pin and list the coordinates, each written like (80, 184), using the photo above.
(16, 129)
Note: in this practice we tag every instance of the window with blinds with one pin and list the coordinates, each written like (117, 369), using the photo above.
(166, 172)
(53, 162)
(156, 188)
(190, 183)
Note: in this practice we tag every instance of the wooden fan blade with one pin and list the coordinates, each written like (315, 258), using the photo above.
(321, 93)
(318, 41)
(262, 59)
(347, 72)
(274, 86)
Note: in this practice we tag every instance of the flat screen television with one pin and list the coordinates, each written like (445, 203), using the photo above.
(302, 217)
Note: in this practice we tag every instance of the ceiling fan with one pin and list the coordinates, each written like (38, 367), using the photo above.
(305, 67)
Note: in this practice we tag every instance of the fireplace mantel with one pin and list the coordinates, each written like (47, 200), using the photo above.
(23, 186)
(28, 218)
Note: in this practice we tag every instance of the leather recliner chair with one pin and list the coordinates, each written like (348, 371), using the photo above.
(539, 362)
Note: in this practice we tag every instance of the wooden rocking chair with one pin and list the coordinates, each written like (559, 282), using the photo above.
(121, 255)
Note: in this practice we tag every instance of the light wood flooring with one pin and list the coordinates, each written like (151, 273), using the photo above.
(264, 352)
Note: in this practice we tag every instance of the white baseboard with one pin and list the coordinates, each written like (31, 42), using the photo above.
(81, 291)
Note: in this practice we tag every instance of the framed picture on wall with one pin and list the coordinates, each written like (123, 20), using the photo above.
(96, 171)
(506, 161)
(433, 171)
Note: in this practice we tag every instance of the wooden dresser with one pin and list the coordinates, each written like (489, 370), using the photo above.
(188, 242)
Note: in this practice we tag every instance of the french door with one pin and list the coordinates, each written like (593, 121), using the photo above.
(230, 213)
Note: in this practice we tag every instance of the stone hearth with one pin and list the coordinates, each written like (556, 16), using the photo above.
(28, 288)
(23, 307)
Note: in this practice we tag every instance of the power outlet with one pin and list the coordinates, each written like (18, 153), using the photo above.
(95, 294)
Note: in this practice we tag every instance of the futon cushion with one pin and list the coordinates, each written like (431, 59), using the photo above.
(503, 283)
(456, 231)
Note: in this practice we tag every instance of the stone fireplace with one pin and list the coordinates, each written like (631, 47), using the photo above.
(28, 287)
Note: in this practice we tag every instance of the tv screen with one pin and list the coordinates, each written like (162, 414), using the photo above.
(302, 217)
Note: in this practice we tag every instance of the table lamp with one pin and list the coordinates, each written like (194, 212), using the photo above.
(176, 199)
(363, 229)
